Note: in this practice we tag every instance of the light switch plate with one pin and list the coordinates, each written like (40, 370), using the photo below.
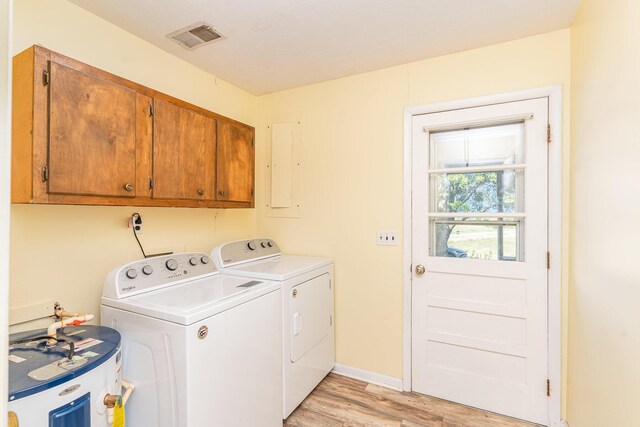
(386, 238)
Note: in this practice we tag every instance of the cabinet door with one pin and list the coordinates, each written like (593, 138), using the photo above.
(183, 153)
(235, 163)
(91, 135)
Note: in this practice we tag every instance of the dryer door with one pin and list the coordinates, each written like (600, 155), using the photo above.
(310, 313)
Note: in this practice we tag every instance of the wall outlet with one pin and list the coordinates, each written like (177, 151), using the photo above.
(135, 220)
(387, 238)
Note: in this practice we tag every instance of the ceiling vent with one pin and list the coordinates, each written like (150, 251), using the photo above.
(194, 36)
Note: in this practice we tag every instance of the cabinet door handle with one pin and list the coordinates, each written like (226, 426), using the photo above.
(222, 193)
(200, 191)
(128, 186)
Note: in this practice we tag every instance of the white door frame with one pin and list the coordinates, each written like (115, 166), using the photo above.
(554, 93)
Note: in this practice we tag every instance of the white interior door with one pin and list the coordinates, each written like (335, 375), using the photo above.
(479, 257)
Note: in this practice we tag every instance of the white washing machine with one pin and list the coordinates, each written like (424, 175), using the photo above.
(307, 309)
(202, 348)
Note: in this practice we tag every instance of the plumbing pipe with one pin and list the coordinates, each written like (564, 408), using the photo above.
(61, 312)
(111, 399)
(128, 389)
(110, 412)
(74, 321)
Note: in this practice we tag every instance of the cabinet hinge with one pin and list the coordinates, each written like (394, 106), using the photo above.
(150, 184)
(329, 284)
(548, 260)
(548, 134)
(252, 191)
(150, 110)
(45, 78)
(548, 387)
(45, 174)
(253, 141)
(330, 320)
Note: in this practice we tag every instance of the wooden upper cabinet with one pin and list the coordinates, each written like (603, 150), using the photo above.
(235, 163)
(81, 135)
(184, 143)
(92, 142)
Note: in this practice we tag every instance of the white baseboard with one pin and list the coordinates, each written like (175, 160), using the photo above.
(368, 376)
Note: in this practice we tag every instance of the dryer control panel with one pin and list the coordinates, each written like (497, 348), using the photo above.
(158, 272)
(240, 251)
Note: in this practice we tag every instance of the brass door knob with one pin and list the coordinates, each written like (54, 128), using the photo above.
(128, 186)
(222, 193)
(420, 269)
(200, 191)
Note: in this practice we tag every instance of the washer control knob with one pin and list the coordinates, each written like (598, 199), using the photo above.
(270, 243)
(204, 260)
(171, 264)
(264, 243)
(193, 260)
(147, 269)
(132, 273)
(251, 245)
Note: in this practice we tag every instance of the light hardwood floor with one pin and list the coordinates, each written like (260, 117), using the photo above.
(339, 401)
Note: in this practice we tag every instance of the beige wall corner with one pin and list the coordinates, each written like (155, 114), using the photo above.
(604, 338)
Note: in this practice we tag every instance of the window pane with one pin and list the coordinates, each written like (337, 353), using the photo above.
(480, 146)
(499, 191)
(493, 239)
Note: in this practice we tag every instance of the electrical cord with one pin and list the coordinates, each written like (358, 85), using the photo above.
(134, 217)
(72, 346)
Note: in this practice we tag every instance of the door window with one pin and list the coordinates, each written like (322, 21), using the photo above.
(476, 177)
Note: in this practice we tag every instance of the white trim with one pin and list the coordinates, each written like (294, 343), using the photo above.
(474, 169)
(501, 98)
(368, 376)
(554, 93)
(406, 253)
(6, 23)
(477, 215)
(555, 248)
(479, 123)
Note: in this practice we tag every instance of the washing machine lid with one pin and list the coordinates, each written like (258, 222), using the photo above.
(279, 268)
(191, 301)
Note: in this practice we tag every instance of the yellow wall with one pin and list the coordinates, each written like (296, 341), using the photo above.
(604, 339)
(63, 253)
(352, 177)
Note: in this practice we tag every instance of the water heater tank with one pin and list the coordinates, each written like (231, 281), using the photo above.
(47, 388)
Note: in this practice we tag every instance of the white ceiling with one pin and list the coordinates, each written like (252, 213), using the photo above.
(271, 45)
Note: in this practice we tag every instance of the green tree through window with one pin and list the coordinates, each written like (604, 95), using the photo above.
(480, 192)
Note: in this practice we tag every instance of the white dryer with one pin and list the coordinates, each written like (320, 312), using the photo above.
(203, 349)
(307, 309)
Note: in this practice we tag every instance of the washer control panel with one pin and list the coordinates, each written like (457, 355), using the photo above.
(241, 251)
(158, 272)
